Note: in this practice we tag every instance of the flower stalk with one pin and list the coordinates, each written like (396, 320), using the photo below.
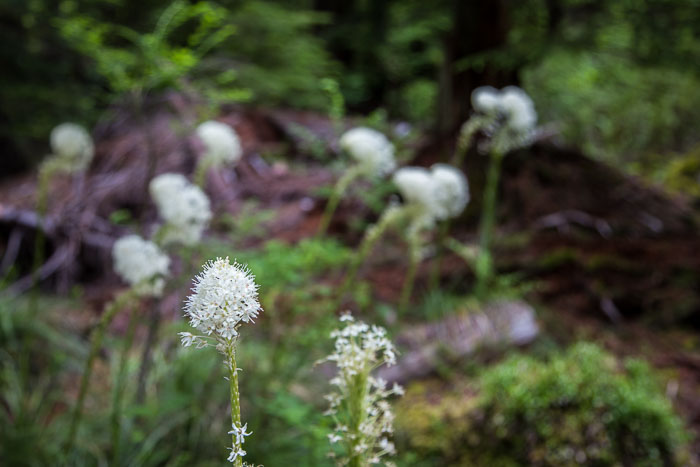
(415, 256)
(338, 191)
(119, 303)
(391, 216)
(484, 263)
(119, 388)
(358, 403)
(235, 403)
(225, 296)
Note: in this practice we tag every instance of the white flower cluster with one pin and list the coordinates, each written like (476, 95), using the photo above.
(359, 349)
(221, 142)
(72, 147)
(141, 264)
(224, 296)
(441, 192)
(239, 432)
(512, 111)
(371, 149)
(184, 207)
(452, 189)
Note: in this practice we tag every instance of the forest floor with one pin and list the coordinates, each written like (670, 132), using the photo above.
(607, 257)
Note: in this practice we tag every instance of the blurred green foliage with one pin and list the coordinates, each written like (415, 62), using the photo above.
(619, 79)
(610, 107)
(134, 62)
(580, 406)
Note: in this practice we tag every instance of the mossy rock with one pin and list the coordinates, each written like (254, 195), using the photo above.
(579, 407)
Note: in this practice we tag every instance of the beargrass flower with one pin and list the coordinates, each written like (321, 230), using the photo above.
(359, 403)
(519, 109)
(508, 119)
(224, 297)
(486, 100)
(141, 264)
(420, 191)
(72, 147)
(440, 193)
(184, 207)
(452, 190)
(373, 154)
(507, 116)
(221, 142)
(370, 149)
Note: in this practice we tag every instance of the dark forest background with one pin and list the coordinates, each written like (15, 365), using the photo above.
(618, 79)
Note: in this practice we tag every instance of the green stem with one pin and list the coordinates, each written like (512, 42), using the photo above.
(145, 367)
(484, 265)
(200, 172)
(340, 187)
(465, 138)
(372, 235)
(119, 388)
(443, 232)
(414, 257)
(357, 412)
(95, 344)
(45, 173)
(235, 398)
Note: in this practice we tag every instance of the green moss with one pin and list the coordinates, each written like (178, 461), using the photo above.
(578, 407)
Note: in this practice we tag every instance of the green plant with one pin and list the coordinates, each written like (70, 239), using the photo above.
(508, 118)
(373, 157)
(614, 108)
(96, 338)
(224, 297)
(34, 350)
(136, 63)
(358, 403)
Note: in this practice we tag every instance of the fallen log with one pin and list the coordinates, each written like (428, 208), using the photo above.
(459, 335)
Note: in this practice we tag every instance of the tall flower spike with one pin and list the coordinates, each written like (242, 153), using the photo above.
(72, 147)
(141, 264)
(358, 403)
(224, 297)
(371, 149)
(184, 207)
(221, 141)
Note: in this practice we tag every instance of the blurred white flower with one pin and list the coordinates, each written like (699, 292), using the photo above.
(486, 99)
(72, 147)
(371, 149)
(519, 109)
(221, 141)
(418, 187)
(183, 206)
(360, 349)
(224, 297)
(508, 115)
(452, 190)
(141, 264)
